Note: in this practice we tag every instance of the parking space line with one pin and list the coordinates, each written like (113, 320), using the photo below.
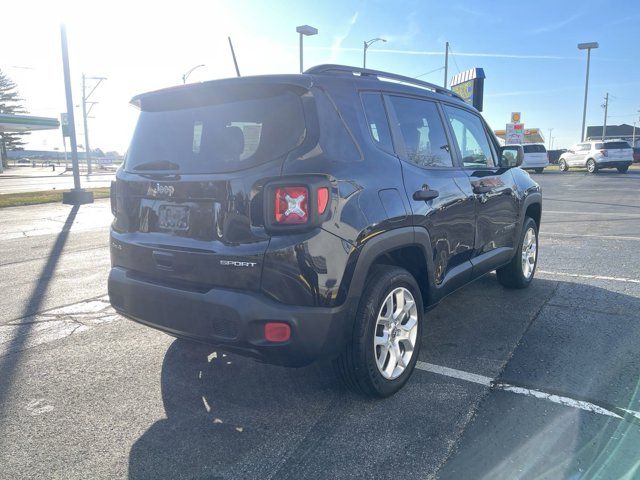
(609, 214)
(604, 237)
(528, 392)
(592, 277)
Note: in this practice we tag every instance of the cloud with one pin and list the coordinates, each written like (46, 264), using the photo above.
(334, 49)
(336, 45)
(556, 26)
(406, 37)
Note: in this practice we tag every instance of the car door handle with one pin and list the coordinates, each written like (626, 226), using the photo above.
(480, 189)
(425, 194)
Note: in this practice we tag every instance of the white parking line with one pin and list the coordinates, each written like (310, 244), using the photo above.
(593, 277)
(608, 214)
(604, 237)
(491, 383)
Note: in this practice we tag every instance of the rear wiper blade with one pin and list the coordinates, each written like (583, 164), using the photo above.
(157, 165)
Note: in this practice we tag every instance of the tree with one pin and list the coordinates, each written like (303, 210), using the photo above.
(10, 103)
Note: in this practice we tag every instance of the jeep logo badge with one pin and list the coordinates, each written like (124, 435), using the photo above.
(160, 190)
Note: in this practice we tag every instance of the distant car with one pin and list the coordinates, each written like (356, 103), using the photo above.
(535, 157)
(636, 155)
(596, 155)
(23, 161)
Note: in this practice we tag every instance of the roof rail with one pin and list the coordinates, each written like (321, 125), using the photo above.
(365, 72)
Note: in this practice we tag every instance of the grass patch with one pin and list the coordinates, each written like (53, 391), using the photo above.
(46, 196)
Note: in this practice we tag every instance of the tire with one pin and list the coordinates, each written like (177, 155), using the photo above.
(358, 364)
(539, 170)
(591, 166)
(514, 275)
(563, 165)
(623, 169)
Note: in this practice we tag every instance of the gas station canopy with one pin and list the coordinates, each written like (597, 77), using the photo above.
(26, 123)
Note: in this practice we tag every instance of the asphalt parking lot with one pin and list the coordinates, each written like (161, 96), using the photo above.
(538, 383)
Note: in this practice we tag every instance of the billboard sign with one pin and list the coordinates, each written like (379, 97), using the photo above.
(514, 134)
(470, 86)
(516, 117)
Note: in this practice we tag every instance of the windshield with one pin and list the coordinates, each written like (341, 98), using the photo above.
(217, 138)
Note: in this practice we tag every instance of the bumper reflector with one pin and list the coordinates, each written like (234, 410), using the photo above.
(277, 332)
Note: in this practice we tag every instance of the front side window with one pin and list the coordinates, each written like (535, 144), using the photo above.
(422, 131)
(473, 144)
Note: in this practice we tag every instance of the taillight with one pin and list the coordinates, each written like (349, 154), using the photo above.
(605, 153)
(323, 199)
(291, 206)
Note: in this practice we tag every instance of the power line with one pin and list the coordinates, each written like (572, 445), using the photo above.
(454, 58)
(429, 72)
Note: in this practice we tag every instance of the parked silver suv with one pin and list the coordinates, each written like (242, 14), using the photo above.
(595, 155)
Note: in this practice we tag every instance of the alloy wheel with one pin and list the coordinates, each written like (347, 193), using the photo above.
(529, 253)
(396, 333)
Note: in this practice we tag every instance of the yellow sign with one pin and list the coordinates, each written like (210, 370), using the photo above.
(515, 117)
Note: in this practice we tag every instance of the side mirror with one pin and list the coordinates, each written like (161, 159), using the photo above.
(511, 156)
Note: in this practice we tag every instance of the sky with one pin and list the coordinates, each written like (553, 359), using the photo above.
(527, 49)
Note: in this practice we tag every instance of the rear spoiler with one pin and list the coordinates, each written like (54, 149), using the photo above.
(220, 91)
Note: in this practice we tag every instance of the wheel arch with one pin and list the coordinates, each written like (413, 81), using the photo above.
(398, 247)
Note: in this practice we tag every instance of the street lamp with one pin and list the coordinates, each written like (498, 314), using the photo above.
(189, 72)
(305, 30)
(367, 44)
(588, 47)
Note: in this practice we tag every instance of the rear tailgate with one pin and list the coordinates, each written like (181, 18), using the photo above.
(188, 202)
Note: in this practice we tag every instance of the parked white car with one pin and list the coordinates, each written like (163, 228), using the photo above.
(595, 155)
(535, 157)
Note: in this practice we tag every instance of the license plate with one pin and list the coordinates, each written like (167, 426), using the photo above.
(173, 217)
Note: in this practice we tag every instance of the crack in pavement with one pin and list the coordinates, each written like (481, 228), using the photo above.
(55, 324)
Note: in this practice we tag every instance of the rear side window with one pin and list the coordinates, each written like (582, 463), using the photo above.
(534, 149)
(217, 138)
(377, 120)
(422, 131)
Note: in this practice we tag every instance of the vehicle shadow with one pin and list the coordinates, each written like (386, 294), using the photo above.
(231, 417)
(9, 364)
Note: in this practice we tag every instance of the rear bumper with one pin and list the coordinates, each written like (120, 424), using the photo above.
(613, 163)
(232, 320)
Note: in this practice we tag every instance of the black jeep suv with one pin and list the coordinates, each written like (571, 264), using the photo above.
(298, 217)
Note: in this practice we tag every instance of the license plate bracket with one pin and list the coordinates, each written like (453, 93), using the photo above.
(174, 218)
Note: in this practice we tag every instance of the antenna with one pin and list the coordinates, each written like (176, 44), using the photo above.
(233, 54)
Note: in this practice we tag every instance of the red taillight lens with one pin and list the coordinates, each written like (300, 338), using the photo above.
(323, 199)
(291, 205)
(277, 332)
(605, 153)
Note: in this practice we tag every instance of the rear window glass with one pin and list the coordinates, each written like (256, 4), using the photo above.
(612, 146)
(217, 138)
(534, 149)
(377, 120)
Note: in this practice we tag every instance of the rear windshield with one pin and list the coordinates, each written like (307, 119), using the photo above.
(534, 149)
(612, 146)
(217, 138)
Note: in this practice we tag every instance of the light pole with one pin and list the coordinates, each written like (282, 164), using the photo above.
(550, 130)
(85, 114)
(367, 44)
(189, 72)
(305, 30)
(588, 47)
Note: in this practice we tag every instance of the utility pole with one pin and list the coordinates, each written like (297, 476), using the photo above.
(550, 130)
(606, 109)
(446, 63)
(85, 114)
(77, 196)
